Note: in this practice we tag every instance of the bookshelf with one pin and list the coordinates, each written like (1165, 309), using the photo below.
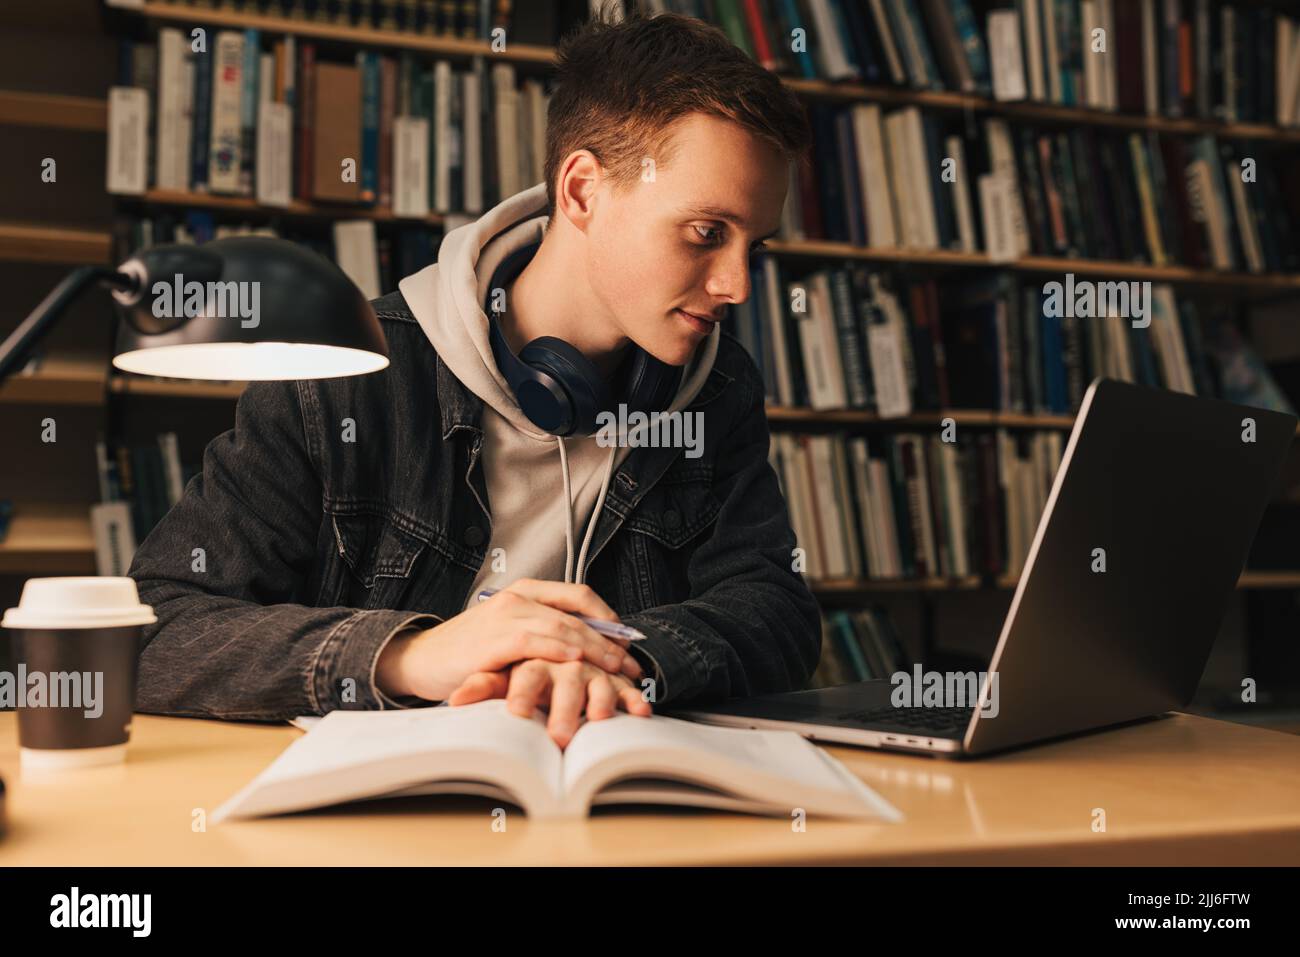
(48, 539)
(23, 243)
(59, 379)
(296, 208)
(811, 88)
(32, 243)
(53, 111)
(841, 589)
(443, 46)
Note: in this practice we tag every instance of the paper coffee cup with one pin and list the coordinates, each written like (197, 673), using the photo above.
(77, 642)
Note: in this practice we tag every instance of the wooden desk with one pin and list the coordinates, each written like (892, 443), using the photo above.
(1178, 790)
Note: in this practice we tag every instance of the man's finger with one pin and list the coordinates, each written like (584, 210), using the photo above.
(578, 599)
(523, 644)
(528, 683)
(568, 695)
(602, 699)
(600, 651)
(635, 704)
(480, 687)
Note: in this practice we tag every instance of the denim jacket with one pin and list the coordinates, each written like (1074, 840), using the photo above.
(295, 555)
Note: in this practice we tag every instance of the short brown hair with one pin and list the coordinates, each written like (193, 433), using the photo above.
(620, 85)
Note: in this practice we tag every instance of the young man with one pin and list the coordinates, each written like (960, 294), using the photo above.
(347, 525)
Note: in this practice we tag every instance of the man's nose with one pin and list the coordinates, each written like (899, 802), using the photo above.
(731, 280)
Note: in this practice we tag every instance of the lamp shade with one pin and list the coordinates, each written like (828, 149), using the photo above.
(246, 308)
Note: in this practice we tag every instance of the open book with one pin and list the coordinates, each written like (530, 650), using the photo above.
(483, 749)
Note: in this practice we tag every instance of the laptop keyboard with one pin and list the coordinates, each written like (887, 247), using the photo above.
(937, 720)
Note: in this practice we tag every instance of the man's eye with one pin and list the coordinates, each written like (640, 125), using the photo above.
(702, 231)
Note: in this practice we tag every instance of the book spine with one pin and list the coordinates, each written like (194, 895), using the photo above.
(371, 109)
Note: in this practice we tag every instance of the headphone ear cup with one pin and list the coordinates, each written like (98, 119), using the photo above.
(651, 385)
(576, 374)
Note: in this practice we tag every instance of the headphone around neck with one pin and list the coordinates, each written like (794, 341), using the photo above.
(558, 388)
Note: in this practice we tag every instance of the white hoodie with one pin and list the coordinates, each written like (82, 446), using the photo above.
(540, 487)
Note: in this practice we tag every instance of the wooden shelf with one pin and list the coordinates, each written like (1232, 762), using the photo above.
(785, 415)
(811, 88)
(1029, 111)
(1110, 269)
(342, 33)
(125, 384)
(850, 587)
(779, 415)
(29, 243)
(821, 249)
(296, 208)
(65, 380)
(51, 111)
(47, 539)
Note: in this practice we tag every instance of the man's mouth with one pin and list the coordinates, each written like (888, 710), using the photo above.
(701, 323)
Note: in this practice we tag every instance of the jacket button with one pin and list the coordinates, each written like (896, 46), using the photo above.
(672, 519)
(473, 535)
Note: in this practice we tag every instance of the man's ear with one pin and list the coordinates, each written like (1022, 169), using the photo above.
(580, 177)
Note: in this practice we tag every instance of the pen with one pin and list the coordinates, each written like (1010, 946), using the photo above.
(608, 628)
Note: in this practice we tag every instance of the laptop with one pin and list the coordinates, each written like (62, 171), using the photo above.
(1135, 559)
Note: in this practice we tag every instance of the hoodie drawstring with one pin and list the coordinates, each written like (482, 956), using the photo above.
(572, 574)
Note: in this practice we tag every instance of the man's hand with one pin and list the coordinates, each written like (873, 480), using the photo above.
(528, 620)
(569, 688)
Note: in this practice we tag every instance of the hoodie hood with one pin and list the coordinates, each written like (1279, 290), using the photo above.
(529, 497)
(447, 300)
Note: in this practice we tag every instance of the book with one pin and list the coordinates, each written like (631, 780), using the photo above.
(111, 526)
(483, 749)
(128, 144)
(336, 128)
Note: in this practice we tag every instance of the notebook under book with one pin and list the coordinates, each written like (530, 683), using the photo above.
(482, 749)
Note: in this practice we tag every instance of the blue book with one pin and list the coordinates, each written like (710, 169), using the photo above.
(201, 132)
(854, 16)
(830, 183)
(973, 45)
(850, 649)
(1143, 355)
(248, 96)
(943, 202)
(368, 62)
(802, 57)
(846, 37)
(1053, 364)
(915, 33)
(847, 152)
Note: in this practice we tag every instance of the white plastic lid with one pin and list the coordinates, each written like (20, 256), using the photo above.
(81, 602)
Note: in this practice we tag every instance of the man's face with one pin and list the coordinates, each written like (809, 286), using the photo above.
(680, 243)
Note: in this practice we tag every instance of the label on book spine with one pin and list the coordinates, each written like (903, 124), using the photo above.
(274, 154)
(410, 166)
(128, 137)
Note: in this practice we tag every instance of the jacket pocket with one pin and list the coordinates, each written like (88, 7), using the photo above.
(378, 555)
(679, 506)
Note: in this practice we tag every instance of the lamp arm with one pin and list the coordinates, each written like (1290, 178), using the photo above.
(16, 348)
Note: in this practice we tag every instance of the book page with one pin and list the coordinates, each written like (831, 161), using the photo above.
(777, 768)
(350, 755)
(345, 739)
(782, 753)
